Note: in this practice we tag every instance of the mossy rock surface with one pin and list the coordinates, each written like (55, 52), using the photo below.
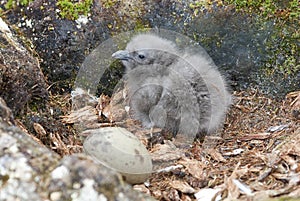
(252, 47)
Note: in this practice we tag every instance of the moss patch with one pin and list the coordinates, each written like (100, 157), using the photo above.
(70, 9)
(15, 3)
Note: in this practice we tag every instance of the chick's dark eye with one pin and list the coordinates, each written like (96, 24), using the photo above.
(141, 56)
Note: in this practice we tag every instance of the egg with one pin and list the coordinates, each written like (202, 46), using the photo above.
(119, 149)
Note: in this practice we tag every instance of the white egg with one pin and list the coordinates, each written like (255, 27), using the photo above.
(119, 149)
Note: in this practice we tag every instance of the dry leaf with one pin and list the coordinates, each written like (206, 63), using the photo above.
(233, 190)
(295, 193)
(259, 136)
(185, 197)
(194, 167)
(231, 182)
(39, 129)
(208, 194)
(164, 155)
(296, 101)
(243, 187)
(142, 188)
(85, 114)
(103, 102)
(171, 195)
(235, 152)
(216, 155)
(170, 168)
(182, 186)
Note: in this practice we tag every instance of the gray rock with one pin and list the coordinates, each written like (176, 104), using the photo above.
(77, 177)
(30, 171)
(6, 115)
(244, 46)
(25, 166)
(21, 79)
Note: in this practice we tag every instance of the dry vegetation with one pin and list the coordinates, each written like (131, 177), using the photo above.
(259, 150)
(258, 156)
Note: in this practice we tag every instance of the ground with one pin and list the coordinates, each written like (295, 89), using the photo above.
(258, 149)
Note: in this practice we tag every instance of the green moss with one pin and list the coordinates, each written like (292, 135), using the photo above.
(71, 10)
(294, 9)
(15, 3)
(288, 9)
(283, 41)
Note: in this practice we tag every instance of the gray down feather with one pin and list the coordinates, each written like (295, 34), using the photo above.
(178, 90)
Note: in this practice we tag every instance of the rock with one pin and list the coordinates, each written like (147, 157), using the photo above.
(30, 171)
(247, 48)
(6, 115)
(21, 80)
(77, 177)
(25, 166)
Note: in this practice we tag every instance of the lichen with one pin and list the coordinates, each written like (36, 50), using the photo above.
(129, 11)
(109, 3)
(202, 5)
(270, 8)
(72, 10)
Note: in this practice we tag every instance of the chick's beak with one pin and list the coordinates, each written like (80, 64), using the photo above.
(122, 55)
